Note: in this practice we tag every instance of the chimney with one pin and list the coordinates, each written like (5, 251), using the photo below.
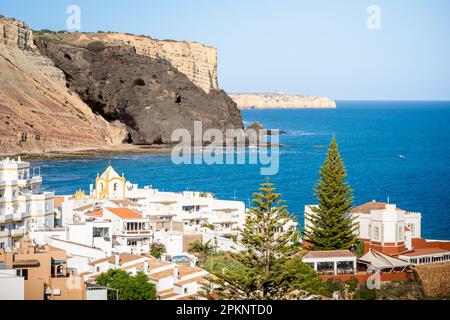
(117, 261)
(146, 266)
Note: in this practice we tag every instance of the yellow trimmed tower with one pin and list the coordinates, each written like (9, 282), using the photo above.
(110, 185)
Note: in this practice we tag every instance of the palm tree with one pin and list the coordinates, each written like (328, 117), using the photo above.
(200, 250)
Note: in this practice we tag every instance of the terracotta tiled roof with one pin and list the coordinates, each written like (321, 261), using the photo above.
(328, 254)
(123, 258)
(188, 298)
(369, 206)
(125, 213)
(201, 280)
(161, 275)
(86, 207)
(186, 271)
(124, 203)
(96, 213)
(168, 295)
(425, 251)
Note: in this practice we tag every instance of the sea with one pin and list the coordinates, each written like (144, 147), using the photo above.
(396, 152)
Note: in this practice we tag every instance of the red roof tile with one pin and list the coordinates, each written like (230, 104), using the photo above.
(125, 213)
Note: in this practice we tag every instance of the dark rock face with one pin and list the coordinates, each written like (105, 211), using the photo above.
(150, 96)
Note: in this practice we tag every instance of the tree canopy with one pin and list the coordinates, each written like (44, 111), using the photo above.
(268, 268)
(331, 225)
(129, 287)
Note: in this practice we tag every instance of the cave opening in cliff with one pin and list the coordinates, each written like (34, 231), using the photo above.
(128, 139)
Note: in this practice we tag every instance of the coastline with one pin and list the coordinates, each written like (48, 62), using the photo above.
(91, 153)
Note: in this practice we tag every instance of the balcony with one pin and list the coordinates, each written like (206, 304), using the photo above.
(198, 215)
(5, 233)
(134, 233)
(19, 232)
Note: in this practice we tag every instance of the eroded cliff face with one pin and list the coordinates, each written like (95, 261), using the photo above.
(151, 96)
(15, 33)
(60, 93)
(280, 101)
(198, 62)
(37, 112)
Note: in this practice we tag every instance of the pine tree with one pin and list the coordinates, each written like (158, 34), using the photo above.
(270, 242)
(331, 226)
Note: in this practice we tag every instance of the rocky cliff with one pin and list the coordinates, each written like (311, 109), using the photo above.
(67, 92)
(150, 96)
(280, 101)
(37, 111)
(198, 62)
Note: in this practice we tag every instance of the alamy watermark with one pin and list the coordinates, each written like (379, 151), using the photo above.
(374, 19)
(374, 281)
(73, 21)
(234, 146)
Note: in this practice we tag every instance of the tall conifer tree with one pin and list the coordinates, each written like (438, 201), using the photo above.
(331, 225)
(270, 243)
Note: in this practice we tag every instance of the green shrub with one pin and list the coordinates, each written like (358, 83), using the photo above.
(157, 249)
(96, 46)
(364, 293)
(333, 285)
(353, 284)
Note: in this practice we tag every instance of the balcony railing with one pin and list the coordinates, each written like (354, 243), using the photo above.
(137, 232)
(18, 232)
(5, 233)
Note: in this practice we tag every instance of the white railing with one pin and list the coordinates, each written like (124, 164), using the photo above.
(18, 232)
(136, 232)
(5, 233)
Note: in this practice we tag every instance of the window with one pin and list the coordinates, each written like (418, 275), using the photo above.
(345, 267)
(100, 232)
(22, 273)
(412, 227)
(325, 268)
(376, 233)
(401, 235)
(185, 290)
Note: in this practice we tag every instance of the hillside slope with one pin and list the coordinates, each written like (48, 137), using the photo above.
(37, 111)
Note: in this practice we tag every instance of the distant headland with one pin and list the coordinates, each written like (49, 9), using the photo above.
(281, 101)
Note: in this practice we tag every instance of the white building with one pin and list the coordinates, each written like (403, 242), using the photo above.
(23, 206)
(172, 281)
(384, 227)
(139, 217)
(194, 209)
(12, 286)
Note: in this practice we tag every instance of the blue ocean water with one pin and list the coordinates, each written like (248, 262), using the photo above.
(371, 135)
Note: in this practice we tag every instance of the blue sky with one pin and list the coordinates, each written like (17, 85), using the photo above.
(301, 47)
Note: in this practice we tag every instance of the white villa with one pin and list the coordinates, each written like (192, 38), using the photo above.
(387, 230)
(23, 206)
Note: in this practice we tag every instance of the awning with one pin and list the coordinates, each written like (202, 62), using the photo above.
(382, 261)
